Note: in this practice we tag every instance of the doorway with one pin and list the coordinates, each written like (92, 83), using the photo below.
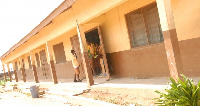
(95, 40)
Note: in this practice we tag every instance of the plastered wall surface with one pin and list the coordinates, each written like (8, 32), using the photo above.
(186, 17)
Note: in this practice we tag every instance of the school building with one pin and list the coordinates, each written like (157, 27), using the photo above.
(141, 39)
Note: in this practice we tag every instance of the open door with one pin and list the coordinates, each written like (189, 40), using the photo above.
(94, 36)
(104, 53)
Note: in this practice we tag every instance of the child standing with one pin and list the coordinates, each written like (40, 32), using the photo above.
(91, 53)
(76, 67)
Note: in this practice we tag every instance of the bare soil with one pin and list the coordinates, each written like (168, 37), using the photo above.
(19, 99)
(119, 99)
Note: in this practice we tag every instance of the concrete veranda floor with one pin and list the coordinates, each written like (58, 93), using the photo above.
(126, 82)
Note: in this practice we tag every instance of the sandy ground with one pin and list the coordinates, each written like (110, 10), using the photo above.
(119, 99)
(18, 99)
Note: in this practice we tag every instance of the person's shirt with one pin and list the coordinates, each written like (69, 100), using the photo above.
(91, 49)
(74, 61)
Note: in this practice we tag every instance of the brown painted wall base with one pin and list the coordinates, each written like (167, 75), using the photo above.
(23, 74)
(19, 75)
(44, 73)
(190, 55)
(64, 70)
(151, 61)
(142, 62)
(29, 75)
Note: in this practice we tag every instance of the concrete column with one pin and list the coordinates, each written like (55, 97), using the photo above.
(170, 37)
(22, 69)
(4, 71)
(83, 46)
(33, 59)
(51, 61)
(15, 71)
(9, 73)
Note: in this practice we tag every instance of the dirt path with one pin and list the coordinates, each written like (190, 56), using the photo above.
(18, 99)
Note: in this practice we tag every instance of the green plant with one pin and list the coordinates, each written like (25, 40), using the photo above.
(8, 79)
(2, 82)
(182, 92)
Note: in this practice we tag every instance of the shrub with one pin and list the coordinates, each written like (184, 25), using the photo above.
(182, 92)
(2, 82)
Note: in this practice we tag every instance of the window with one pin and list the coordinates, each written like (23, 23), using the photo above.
(59, 53)
(144, 26)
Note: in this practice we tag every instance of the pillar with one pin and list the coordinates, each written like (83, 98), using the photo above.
(9, 73)
(82, 40)
(33, 59)
(22, 68)
(4, 71)
(51, 61)
(15, 71)
(170, 37)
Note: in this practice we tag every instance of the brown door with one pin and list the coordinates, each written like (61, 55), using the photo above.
(104, 53)
(76, 47)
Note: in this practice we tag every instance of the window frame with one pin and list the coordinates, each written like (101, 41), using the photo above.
(141, 9)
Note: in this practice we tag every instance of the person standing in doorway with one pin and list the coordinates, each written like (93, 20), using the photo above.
(76, 66)
(91, 52)
(103, 71)
(97, 59)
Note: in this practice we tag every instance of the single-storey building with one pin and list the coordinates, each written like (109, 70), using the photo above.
(140, 39)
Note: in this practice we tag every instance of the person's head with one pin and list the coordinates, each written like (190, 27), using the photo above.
(97, 45)
(72, 51)
(88, 43)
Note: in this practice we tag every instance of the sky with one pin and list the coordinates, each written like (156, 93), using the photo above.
(19, 17)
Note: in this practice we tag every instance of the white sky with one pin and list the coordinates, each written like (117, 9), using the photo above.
(19, 17)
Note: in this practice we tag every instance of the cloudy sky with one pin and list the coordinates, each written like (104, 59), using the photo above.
(19, 17)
